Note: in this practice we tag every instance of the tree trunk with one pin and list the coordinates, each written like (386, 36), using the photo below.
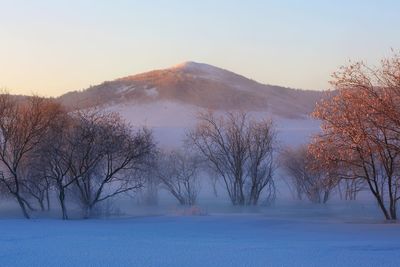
(41, 204)
(382, 206)
(88, 212)
(326, 197)
(47, 200)
(393, 210)
(23, 207)
(61, 197)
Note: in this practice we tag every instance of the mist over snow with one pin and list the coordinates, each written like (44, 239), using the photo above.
(171, 120)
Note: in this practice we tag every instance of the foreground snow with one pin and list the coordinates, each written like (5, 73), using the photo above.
(213, 240)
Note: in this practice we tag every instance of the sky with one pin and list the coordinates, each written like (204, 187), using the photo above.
(50, 47)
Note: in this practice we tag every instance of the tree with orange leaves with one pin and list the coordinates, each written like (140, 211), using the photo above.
(360, 136)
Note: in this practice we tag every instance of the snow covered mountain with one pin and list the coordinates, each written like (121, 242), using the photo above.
(200, 85)
(168, 100)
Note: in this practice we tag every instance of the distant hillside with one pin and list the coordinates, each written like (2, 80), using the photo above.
(200, 85)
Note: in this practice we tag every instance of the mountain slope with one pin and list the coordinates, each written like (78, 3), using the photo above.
(200, 85)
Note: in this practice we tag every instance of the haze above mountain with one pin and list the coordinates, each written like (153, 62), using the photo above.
(200, 85)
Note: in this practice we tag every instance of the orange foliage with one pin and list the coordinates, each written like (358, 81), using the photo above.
(361, 129)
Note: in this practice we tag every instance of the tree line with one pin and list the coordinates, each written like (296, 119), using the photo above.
(93, 155)
(44, 148)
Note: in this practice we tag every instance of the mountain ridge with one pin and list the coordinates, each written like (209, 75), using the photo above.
(198, 84)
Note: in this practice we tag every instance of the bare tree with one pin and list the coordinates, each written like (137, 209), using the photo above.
(23, 124)
(55, 156)
(35, 183)
(178, 172)
(304, 180)
(149, 194)
(110, 158)
(240, 151)
(349, 188)
(261, 165)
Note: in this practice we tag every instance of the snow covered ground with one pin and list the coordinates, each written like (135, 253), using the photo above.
(311, 235)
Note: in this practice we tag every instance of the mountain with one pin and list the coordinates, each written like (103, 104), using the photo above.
(199, 85)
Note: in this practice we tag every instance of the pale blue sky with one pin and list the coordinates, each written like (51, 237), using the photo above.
(51, 47)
